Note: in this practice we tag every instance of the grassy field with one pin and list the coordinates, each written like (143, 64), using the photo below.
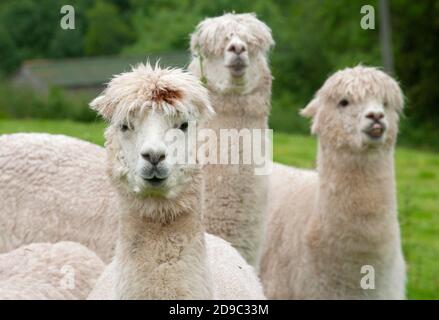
(418, 193)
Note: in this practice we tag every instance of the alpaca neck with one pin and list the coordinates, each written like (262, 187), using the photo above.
(357, 190)
(248, 108)
(354, 224)
(162, 260)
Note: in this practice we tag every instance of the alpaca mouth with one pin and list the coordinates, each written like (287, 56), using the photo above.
(376, 130)
(237, 68)
(155, 181)
(154, 177)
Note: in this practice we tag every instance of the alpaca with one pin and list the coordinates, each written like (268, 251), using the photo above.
(162, 251)
(230, 56)
(336, 235)
(55, 188)
(64, 270)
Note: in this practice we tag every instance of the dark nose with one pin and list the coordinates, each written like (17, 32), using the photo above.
(375, 115)
(154, 157)
(236, 48)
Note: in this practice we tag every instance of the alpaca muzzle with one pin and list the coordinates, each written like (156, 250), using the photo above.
(237, 66)
(375, 130)
(154, 175)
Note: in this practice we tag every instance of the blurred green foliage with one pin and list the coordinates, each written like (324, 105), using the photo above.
(107, 31)
(313, 39)
(24, 103)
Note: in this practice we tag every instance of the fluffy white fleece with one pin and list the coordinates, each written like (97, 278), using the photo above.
(55, 188)
(337, 223)
(233, 278)
(64, 270)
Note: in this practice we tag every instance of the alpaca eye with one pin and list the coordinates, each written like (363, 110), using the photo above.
(343, 103)
(385, 104)
(183, 126)
(124, 127)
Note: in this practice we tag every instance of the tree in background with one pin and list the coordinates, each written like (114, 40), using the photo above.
(30, 25)
(65, 44)
(162, 25)
(416, 47)
(34, 32)
(107, 31)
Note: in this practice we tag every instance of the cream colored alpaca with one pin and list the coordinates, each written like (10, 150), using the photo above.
(55, 188)
(230, 55)
(162, 250)
(336, 234)
(65, 270)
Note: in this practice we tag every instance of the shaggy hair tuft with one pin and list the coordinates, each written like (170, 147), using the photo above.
(145, 88)
(212, 34)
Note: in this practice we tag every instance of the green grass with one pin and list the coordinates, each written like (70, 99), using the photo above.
(92, 132)
(418, 193)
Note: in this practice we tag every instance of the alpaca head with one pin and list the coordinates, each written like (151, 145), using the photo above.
(230, 52)
(357, 109)
(142, 107)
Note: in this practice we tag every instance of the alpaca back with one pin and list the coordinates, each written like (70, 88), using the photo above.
(233, 277)
(65, 270)
(55, 188)
(282, 263)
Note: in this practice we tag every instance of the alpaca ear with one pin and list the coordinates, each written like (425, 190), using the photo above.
(311, 109)
(102, 106)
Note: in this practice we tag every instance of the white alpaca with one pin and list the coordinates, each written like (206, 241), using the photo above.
(64, 270)
(230, 56)
(336, 234)
(55, 188)
(162, 250)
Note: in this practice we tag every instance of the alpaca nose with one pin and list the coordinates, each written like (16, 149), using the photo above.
(376, 115)
(237, 48)
(154, 157)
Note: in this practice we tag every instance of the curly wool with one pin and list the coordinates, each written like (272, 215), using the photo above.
(233, 278)
(55, 188)
(64, 270)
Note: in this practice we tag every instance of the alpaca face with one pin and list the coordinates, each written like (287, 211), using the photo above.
(358, 126)
(148, 110)
(236, 57)
(236, 70)
(144, 145)
(230, 52)
(356, 110)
